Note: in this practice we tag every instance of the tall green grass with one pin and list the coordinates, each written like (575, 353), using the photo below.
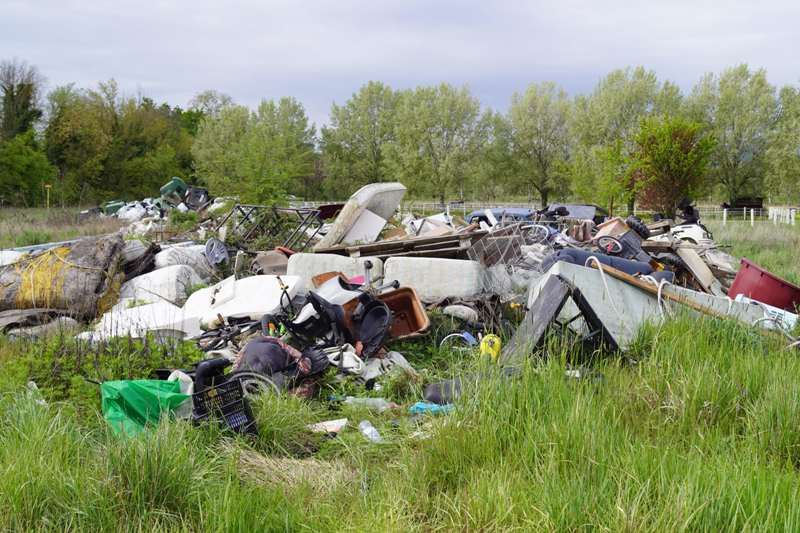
(697, 430)
(700, 434)
(772, 246)
(25, 227)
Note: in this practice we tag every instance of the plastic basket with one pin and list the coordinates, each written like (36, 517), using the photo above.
(226, 403)
(759, 284)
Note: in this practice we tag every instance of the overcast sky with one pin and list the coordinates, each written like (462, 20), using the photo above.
(322, 52)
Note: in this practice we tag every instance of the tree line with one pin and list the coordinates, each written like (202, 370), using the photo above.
(633, 138)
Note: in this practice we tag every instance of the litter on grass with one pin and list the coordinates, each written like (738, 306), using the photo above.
(285, 300)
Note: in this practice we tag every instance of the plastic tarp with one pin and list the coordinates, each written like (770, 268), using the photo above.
(79, 276)
(9, 257)
(129, 406)
(192, 256)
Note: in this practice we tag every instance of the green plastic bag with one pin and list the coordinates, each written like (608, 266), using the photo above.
(130, 405)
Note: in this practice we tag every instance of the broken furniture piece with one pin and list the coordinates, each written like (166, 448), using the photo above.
(289, 227)
(364, 215)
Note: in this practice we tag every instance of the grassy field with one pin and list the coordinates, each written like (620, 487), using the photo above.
(23, 227)
(699, 429)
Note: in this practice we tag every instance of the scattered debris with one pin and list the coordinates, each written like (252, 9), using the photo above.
(329, 427)
(756, 283)
(369, 432)
(277, 316)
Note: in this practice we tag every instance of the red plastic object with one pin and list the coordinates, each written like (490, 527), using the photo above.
(288, 252)
(758, 284)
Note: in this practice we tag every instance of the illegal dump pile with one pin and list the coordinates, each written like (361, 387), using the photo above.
(282, 299)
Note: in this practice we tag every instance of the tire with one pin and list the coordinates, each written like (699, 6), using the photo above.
(254, 383)
(610, 245)
(637, 225)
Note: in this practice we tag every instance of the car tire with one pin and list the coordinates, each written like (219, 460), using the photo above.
(638, 225)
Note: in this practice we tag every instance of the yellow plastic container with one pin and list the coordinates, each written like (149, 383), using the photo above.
(490, 346)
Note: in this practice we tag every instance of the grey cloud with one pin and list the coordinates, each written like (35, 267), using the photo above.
(321, 51)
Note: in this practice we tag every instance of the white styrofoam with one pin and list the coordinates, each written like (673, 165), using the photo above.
(137, 322)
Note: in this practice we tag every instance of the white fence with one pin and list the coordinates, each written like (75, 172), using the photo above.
(777, 214)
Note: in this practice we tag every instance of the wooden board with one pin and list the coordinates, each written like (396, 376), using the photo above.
(700, 271)
(540, 315)
(427, 246)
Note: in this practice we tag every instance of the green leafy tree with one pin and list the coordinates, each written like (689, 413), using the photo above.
(783, 151)
(602, 174)
(77, 139)
(259, 156)
(605, 125)
(671, 161)
(20, 88)
(109, 146)
(277, 150)
(149, 146)
(216, 148)
(354, 145)
(210, 103)
(494, 169)
(540, 137)
(24, 170)
(438, 138)
(740, 108)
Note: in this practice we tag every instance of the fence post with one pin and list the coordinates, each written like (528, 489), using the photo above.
(752, 217)
(724, 217)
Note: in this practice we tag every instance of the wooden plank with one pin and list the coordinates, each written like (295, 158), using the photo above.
(657, 246)
(700, 271)
(396, 246)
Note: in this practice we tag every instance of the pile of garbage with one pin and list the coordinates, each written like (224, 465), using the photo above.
(148, 214)
(276, 297)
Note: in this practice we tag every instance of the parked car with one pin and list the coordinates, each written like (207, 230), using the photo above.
(579, 211)
(508, 214)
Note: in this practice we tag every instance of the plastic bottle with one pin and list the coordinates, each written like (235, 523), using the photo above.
(369, 431)
(378, 404)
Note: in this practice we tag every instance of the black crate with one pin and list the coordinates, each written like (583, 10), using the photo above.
(227, 404)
